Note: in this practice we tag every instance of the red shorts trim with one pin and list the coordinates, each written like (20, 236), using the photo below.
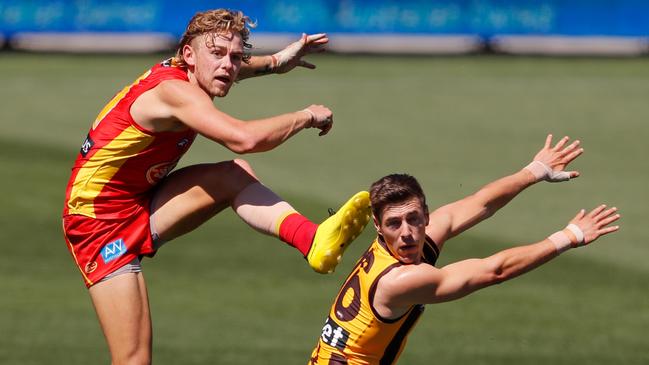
(99, 246)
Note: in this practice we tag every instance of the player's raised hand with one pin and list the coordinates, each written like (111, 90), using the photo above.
(551, 161)
(596, 223)
(321, 118)
(291, 56)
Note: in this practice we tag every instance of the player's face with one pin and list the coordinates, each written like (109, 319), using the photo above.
(215, 61)
(403, 226)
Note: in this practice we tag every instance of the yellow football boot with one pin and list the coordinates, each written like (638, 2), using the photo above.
(334, 234)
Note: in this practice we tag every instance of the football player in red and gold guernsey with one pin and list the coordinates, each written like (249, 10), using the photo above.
(123, 200)
(383, 297)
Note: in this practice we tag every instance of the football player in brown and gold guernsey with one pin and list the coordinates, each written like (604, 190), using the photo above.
(383, 297)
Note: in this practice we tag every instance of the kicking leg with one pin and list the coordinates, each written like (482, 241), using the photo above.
(192, 195)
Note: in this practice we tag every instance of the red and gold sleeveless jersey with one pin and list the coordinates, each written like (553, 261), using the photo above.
(120, 162)
(354, 333)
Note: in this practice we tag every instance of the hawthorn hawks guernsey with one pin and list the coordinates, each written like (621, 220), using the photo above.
(120, 162)
(354, 333)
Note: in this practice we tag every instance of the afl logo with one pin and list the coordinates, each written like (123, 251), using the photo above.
(90, 267)
(182, 143)
(155, 173)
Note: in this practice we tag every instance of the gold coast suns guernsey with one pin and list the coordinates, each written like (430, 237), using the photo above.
(354, 333)
(120, 162)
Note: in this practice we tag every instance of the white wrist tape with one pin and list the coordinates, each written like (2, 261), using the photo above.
(562, 240)
(312, 115)
(538, 169)
(287, 54)
(544, 172)
(579, 235)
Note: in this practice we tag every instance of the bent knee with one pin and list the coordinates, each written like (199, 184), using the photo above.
(243, 164)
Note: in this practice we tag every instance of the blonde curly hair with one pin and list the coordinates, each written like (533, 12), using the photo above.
(217, 21)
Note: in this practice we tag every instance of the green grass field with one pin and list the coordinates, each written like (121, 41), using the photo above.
(227, 295)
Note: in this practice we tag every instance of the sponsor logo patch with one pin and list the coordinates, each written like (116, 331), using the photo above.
(334, 335)
(113, 250)
(86, 146)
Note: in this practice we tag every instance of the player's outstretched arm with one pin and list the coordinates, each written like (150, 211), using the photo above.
(548, 164)
(420, 284)
(181, 101)
(286, 59)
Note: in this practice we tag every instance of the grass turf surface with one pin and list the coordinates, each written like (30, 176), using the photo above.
(224, 294)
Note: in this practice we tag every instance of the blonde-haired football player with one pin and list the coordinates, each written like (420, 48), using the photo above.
(123, 201)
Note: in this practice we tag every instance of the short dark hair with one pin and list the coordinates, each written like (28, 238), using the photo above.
(395, 188)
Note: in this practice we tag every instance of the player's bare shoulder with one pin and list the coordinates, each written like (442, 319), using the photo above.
(393, 296)
(177, 93)
(155, 109)
(407, 285)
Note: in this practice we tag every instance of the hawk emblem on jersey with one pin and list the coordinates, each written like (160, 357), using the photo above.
(86, 146)
(155, 173)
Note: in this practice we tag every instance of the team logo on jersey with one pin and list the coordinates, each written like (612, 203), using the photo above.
(90, 267)
(182, 143)
(155, 173)
(113, 250)
(86, 146)
(334, 335)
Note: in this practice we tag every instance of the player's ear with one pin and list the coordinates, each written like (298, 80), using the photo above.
(376, 223)
(188, 55)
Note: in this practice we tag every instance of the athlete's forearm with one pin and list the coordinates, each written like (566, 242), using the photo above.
(465, 277)
(497, 194)
(257, 66)
(510, 263)
(515, 261)
(266, 134)
(455, 218)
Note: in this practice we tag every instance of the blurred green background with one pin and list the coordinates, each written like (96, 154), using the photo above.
(227, 295)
